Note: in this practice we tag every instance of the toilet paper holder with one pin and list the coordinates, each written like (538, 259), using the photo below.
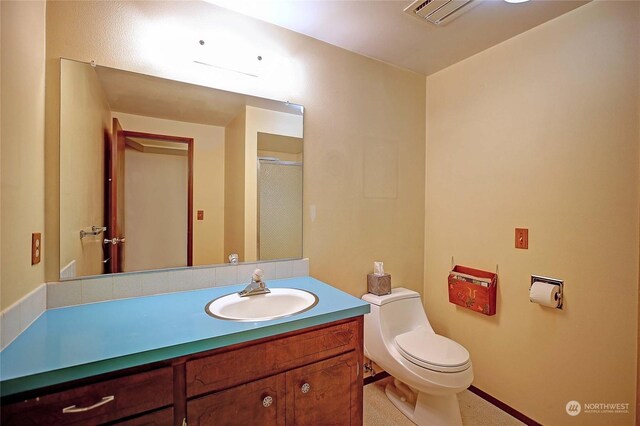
(552, 281)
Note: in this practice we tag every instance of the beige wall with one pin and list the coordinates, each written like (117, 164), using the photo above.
(85, 122)
(266, 121)
(234, 186)
(542, 132)
(22, 149)
(1, 179)
(352, 115)
(363, 170)
(208, 179)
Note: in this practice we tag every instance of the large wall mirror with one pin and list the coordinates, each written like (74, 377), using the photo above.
(158, 174)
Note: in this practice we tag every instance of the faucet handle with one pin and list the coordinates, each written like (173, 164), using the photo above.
(257, 275)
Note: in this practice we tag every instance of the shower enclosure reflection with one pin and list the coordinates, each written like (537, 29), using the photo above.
(201, 210)
(279, 205)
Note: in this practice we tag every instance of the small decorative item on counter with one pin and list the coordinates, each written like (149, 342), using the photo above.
(473, 289)
(378, 283)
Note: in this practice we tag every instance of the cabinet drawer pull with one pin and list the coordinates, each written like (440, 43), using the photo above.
(73, 409)
(267, 401)
(305, 388)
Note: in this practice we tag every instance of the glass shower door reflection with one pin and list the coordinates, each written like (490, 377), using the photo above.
(279, 209)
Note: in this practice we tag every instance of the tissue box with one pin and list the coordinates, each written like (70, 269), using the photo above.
(379, 284)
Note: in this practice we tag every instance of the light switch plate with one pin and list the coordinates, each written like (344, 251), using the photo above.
(522, 238)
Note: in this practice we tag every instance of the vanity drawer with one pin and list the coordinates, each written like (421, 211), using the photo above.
(96, 403)
(224, 370)
(162, 417)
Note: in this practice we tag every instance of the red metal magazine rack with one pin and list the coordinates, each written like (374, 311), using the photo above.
(473, 289)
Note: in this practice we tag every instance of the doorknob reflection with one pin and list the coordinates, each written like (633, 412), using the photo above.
(114, 241)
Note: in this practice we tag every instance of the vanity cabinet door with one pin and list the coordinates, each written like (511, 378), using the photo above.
(325, 393)
(261, 402)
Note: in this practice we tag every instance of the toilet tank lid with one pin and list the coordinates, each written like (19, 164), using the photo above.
(398, 293)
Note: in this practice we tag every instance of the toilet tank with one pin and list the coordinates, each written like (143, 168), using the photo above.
(398, 312)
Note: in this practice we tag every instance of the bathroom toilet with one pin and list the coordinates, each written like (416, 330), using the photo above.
(428, 369)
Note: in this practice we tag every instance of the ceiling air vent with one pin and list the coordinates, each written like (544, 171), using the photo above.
(437, 12)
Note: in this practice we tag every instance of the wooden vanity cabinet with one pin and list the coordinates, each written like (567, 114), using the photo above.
(306, 377)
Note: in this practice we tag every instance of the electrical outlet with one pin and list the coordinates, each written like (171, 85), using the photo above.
(36, 248)
(200, 214)
(522, 238)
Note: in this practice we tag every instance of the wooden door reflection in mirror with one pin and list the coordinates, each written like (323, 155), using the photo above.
(150, 201)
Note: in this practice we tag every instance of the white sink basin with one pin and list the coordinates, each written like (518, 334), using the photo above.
(281, 302)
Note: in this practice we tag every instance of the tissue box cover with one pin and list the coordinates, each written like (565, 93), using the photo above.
(379, 284)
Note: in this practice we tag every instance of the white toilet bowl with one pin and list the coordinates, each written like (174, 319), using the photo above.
(429, 369)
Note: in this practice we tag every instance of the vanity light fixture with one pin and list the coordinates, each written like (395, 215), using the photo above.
(516, 1)
(230, 60)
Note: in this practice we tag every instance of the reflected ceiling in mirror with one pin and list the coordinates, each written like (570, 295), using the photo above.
(171, 170)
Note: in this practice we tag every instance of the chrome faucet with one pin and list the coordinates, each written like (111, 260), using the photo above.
(257, 285)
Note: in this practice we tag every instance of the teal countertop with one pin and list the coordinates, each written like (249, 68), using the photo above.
(81, 341)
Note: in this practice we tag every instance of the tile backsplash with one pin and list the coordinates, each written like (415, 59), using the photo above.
(16, 318)
(134, 284)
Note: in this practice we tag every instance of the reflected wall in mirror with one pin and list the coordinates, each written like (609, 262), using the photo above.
(178, 174)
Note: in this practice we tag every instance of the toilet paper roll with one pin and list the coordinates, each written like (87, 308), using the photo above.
(545, 294)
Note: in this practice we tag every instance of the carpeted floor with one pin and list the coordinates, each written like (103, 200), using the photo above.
(379, 411)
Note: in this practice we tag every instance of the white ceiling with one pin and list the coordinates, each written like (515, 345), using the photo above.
(141, 94)
(381, 30)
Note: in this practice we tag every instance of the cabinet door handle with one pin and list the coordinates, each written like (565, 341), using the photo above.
(74, 409)
(305, 388)
(267, 401)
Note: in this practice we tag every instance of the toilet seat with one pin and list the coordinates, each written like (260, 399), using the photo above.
(432, 351)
